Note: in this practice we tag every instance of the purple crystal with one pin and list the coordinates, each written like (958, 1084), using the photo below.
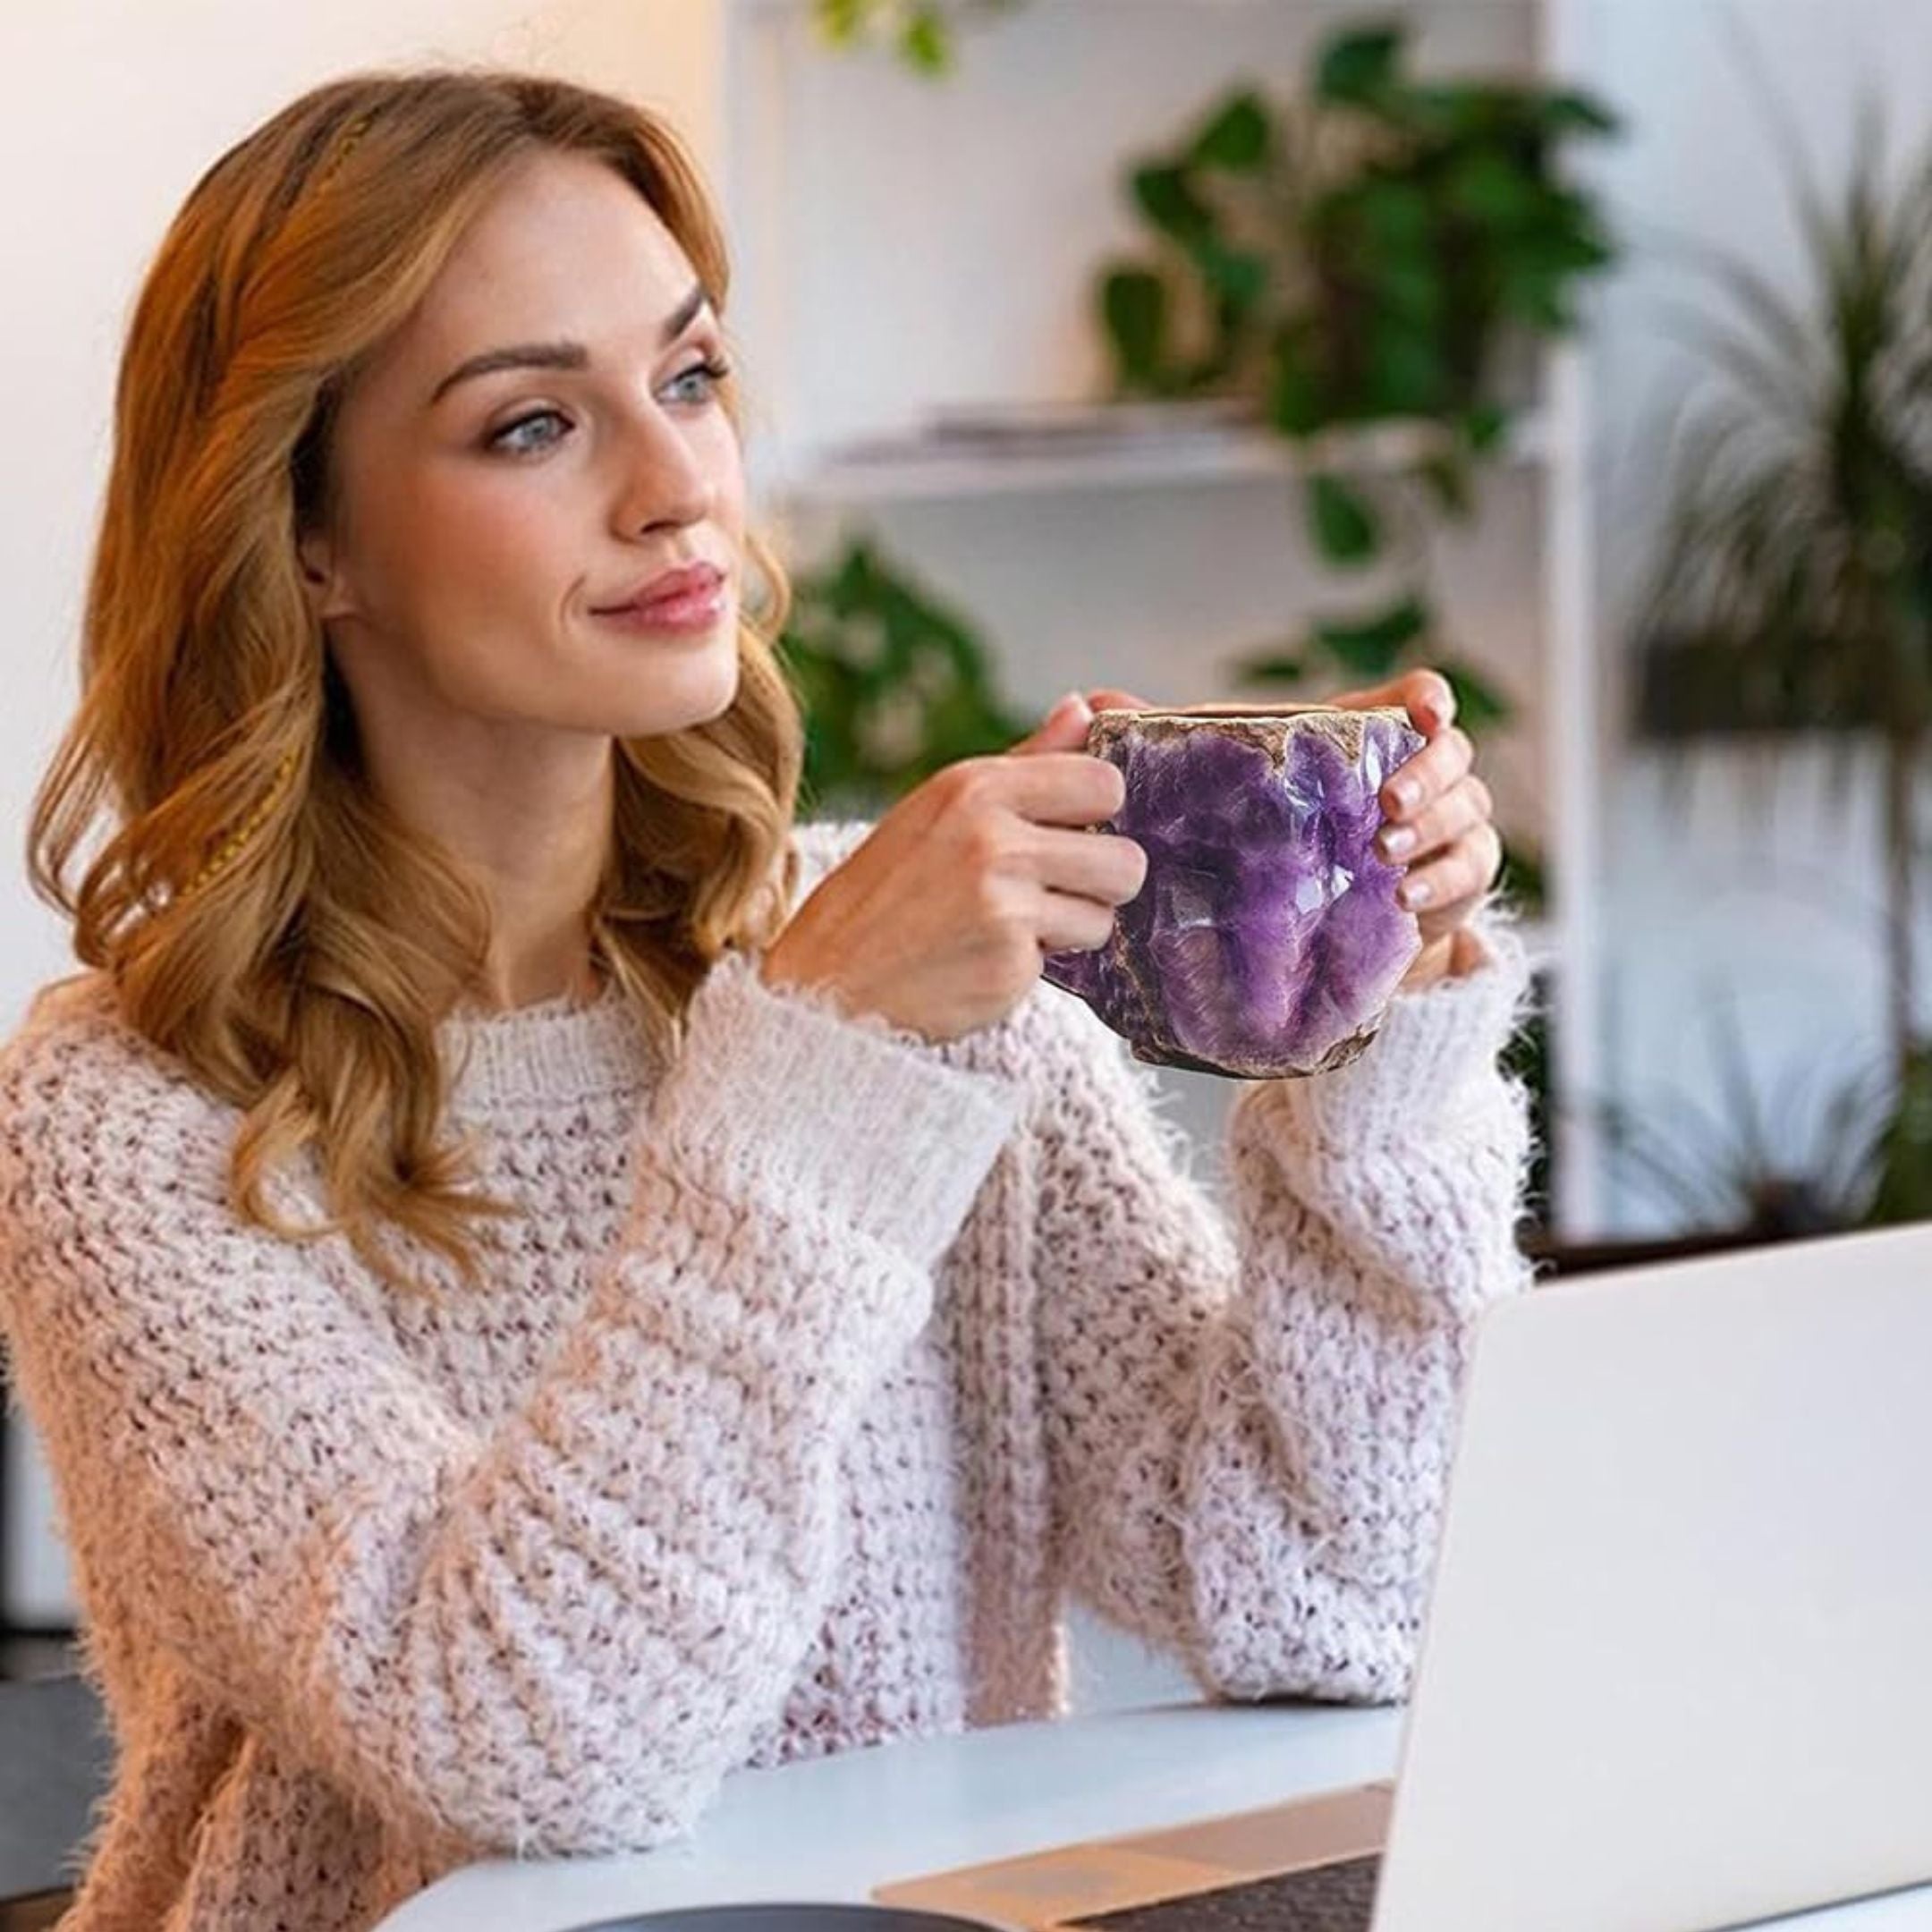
(1267, 939)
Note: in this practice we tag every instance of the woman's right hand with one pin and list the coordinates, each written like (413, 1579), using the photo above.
(939, 922)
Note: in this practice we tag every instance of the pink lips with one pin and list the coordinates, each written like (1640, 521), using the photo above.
(681, 602)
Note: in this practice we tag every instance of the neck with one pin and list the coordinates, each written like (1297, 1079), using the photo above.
(516, 977)
(534, 833)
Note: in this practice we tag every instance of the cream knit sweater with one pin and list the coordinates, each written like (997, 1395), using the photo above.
(821, 1365)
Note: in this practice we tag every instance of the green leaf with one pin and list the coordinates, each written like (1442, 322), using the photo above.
(1237, 137)
(852, 585)
(1166, 197)
(926, 44)
(1412, 293)
(1295, 403)
(1484, 427)
(1535, 296)
(1488, 187)
(1342, 520)
(1404, 373)
(1479, 704)
(1570, 110)
(1446, 476)
(1357, 68)
(1133, 303)
(840, 21)
(1271, 669)
(1372, 649)
(1396, 214)
(1561, 250)
(1239, 276)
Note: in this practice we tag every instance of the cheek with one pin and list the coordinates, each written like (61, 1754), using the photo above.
(719, 451)
(466, 545)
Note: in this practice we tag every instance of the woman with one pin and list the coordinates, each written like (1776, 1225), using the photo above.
(538, 1288)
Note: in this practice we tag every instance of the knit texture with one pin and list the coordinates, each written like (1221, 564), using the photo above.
(821, 1365)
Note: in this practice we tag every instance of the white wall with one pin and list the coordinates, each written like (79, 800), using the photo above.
(1715, 890)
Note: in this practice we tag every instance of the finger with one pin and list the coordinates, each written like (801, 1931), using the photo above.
(1421, 780)
(1426, 696)
(1068, 923)
(1417, 839)
(1110, 699)
(1429, 699)
(1458, 879)
(1064, 788)
(1091, 865)
(1063, 729)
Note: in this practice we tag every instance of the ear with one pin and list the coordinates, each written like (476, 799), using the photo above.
(324, 578)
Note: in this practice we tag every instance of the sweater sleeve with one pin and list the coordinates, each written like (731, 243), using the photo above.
(552, 1634)
(1249, 1422)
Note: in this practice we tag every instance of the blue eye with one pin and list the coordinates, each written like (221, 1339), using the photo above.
(712, 373)
(512, 436)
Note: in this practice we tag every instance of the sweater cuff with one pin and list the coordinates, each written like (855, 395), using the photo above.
(797, 1102)
(1428, 1063)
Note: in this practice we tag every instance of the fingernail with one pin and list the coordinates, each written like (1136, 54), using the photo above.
(1415, 893)
(1407, 791)
(1396, 840)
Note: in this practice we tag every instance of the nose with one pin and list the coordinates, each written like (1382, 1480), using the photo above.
(663, 481)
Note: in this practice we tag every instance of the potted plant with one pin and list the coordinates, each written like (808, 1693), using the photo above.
(1795, 585)
(894, 683)
(1375, 259)
(1828, 1150)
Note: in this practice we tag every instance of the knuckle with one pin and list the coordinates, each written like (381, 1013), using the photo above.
(989, 903)
(1020, 959)
(988, 840)
(980, 854)
(969, 782)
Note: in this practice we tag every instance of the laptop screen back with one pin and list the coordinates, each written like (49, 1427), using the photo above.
(1678, 1664)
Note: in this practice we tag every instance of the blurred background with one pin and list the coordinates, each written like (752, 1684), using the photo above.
(1249, 348)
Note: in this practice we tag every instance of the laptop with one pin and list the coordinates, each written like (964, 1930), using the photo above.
(1677, 1668)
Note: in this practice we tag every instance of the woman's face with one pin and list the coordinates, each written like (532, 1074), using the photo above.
(514, 471)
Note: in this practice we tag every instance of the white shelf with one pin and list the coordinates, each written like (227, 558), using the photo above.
(914, 468)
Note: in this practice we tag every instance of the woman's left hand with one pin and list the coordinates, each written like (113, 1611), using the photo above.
(1437, 816)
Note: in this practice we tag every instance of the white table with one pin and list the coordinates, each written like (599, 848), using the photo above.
(836, 1827)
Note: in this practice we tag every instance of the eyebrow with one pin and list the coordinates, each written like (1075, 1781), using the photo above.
(562, 355)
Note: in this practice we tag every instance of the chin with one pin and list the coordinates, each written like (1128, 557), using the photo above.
(696, 692)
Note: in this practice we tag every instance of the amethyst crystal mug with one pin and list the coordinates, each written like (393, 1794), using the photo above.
(1267, 940)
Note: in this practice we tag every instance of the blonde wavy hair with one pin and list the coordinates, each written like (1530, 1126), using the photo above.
(261, 916)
